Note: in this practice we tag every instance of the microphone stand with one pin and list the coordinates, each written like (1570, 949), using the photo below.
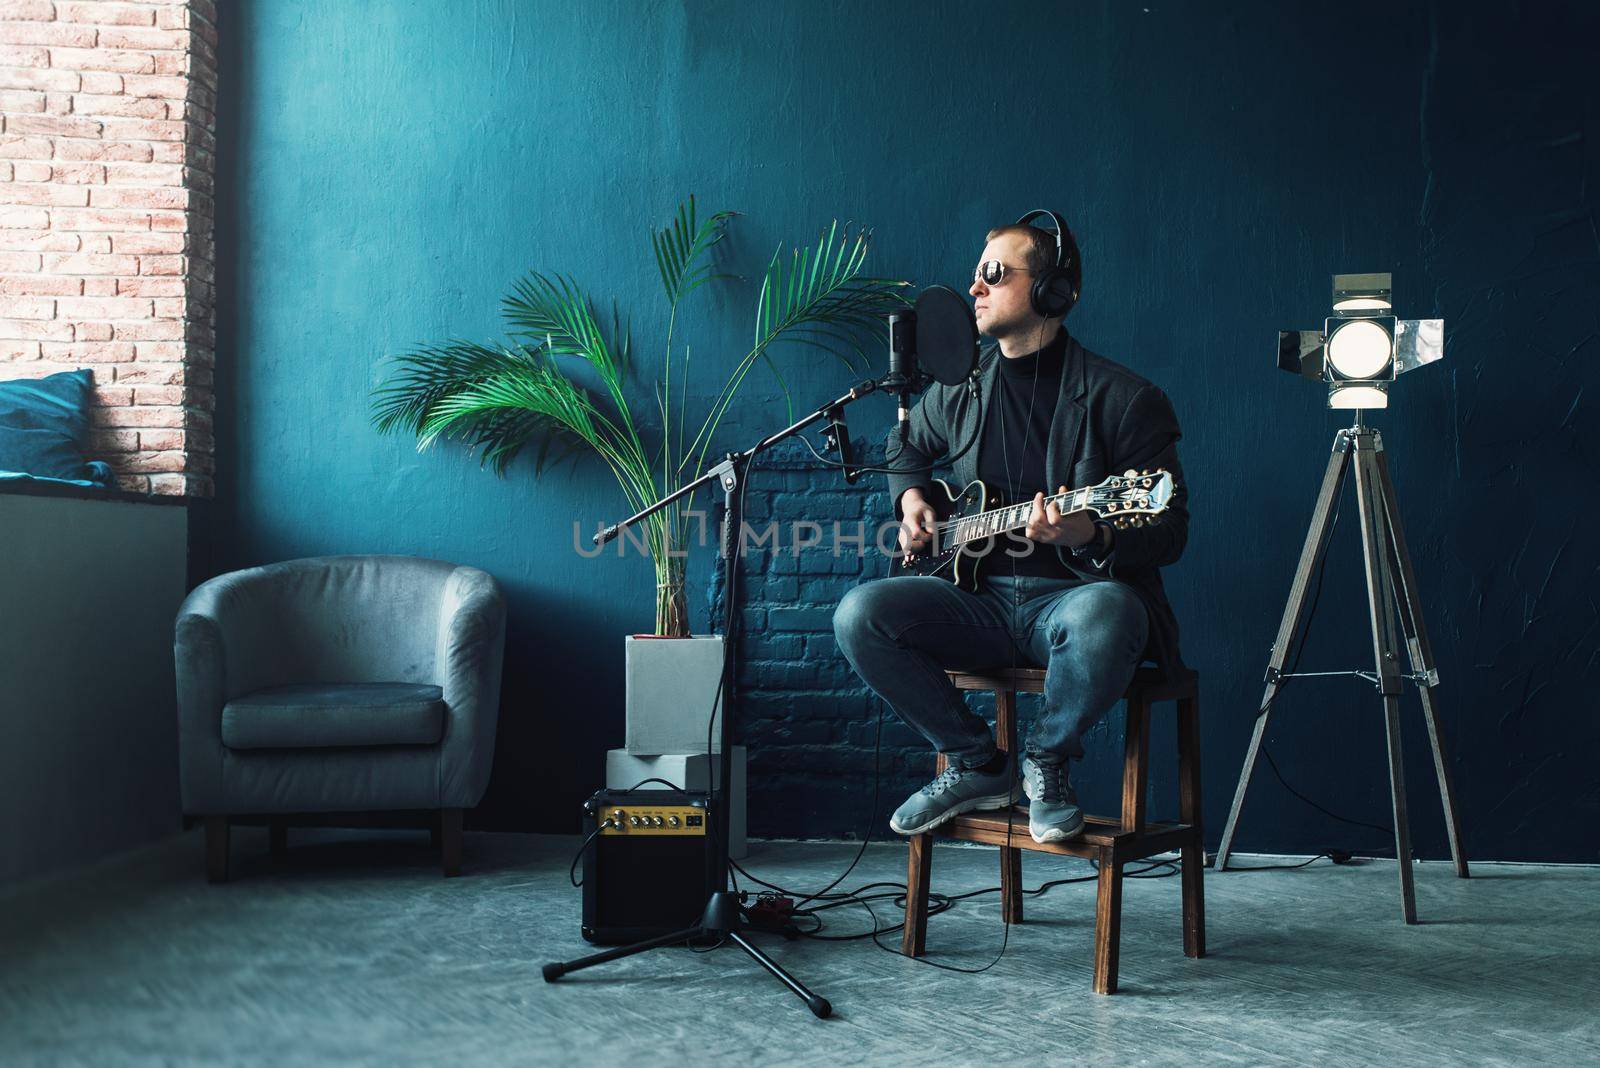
(721, 919)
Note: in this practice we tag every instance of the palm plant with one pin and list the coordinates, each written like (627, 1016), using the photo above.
(499, 397)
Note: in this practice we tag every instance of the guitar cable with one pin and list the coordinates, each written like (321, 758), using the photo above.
(896, 892)
(944, 902)
(937, 903)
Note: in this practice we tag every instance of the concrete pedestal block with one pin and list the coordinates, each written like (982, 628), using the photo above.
(671, 689)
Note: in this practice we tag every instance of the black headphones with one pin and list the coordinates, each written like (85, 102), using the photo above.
(1055, 289)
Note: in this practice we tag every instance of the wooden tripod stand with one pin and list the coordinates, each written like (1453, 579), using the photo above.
(1391, 591)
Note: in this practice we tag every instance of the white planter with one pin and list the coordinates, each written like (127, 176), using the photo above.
(671, 687)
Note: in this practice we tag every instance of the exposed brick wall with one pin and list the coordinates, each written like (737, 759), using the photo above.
(809, 722)
(807, 719)
(107, 158)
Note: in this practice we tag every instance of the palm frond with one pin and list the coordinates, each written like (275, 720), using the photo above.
(540, 391)
(818, 297)
(427, 374)
(553, 313)
(683, 242)
(821, 291)
(499, 399)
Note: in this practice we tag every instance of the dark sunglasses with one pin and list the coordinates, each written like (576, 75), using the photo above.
(993, 272)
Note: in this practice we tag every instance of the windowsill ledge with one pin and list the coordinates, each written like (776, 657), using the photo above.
(29, 487)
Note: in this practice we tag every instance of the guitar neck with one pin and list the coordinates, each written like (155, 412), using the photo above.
(1012, 517)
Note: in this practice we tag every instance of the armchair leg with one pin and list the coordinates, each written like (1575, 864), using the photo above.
(450, 840)
(216, 849)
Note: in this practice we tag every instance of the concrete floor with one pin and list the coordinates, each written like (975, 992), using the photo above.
(353, 950)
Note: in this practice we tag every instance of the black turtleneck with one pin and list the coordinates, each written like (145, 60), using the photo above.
(1015, 434)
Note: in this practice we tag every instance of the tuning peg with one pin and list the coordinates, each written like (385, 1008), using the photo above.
(1130, 473)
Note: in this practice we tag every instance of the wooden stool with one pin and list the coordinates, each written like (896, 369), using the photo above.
(1111, 843)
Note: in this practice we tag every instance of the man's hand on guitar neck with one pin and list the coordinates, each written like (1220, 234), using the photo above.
(1046, 524)
(916, 523)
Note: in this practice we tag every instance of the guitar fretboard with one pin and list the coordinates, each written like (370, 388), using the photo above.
(1012, 517)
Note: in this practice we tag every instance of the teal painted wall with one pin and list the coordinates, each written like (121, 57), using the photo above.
(388, 168)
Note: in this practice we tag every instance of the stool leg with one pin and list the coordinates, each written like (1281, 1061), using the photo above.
(1107, 925)
(914, 934)
(1136, 764)
(1005, 737)
(1011, 884)
(1194, 853)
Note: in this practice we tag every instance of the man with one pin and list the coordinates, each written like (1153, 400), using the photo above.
(1078, 597)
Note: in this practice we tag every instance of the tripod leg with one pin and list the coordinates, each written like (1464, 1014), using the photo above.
(815, 1002)
(1422, 663)
(1397, 792)
(1380, 594)
(1316, 543)
(1193, 854)
(556, 969)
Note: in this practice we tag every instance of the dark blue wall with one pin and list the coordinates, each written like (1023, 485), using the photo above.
(389, 168)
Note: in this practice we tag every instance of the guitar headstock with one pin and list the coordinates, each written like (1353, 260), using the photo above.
(1132, 498)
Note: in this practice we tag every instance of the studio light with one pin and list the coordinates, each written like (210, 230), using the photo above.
(1361, 347)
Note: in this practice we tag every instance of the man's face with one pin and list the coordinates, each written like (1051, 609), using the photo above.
(1003, 310)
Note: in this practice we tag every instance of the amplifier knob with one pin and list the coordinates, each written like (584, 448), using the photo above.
(657, 821)
(633, 821)
(618, 814)
(672, 821)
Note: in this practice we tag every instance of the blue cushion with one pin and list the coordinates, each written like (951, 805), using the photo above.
(44, 428)
(335, 714)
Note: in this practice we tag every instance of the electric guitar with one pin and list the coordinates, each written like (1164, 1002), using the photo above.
(971, 523)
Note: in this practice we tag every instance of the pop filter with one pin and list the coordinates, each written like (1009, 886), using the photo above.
(947, 335)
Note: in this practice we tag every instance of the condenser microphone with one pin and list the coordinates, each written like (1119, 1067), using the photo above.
(904, 377)
(937, 340)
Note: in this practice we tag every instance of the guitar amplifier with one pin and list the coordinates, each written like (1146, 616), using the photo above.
(652, 869)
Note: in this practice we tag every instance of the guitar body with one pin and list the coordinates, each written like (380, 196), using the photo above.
(961, 563)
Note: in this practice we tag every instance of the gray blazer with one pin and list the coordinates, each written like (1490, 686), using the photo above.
(1108, 419)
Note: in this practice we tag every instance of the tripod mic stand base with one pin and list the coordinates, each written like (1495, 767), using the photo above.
(720, 921)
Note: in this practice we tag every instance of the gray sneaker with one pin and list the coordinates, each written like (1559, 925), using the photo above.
(1053, 812)
(954, 791)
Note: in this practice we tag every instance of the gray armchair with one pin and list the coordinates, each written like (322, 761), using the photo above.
(338, 684)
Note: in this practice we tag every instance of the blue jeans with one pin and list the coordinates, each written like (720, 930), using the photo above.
(901, 634)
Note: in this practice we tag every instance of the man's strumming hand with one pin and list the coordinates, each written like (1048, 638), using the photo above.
(916, 522)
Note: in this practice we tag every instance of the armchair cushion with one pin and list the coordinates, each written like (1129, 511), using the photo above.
(335, 714)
